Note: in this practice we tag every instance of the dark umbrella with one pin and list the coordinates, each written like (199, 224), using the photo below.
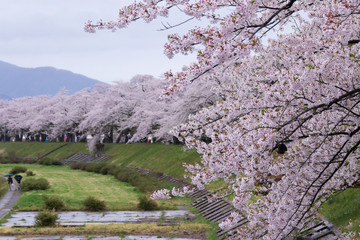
(18, 177)
(8, 175)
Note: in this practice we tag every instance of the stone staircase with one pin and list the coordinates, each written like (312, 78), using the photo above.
(217, 211)
(84, 158)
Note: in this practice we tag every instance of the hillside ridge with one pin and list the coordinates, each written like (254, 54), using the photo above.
(18, 81)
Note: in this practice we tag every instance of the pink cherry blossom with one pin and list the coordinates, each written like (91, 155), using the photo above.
(299, 90)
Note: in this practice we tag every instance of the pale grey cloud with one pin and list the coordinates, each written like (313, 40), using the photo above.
(50, 33)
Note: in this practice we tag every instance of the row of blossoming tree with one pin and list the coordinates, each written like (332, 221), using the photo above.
(298, 91)
(123, 107)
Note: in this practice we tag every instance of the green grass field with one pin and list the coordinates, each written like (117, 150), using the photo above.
(73, 186)
(342, 208)
(155, 157)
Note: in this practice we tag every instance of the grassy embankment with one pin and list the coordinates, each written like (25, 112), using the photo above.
(156, 157)
(342, 209)
(73, 187)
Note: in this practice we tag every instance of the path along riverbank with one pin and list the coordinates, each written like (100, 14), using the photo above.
(8, 201)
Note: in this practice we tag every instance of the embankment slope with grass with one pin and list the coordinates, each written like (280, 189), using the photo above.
(163, 158)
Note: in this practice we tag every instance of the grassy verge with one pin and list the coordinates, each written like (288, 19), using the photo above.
(342, 209)
(27, 149)
(68, 150)
(3, 187)
(211, 233)
(156, 157)
(145, 183)
(184, 229)
(74, 186)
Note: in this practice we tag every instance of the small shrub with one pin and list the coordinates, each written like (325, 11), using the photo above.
(95, 167)
(98, 166)
(18, 169)
(110, 169)
(48, 162)
(159, 174)
(12, 158)
(44, 161)
(28, 160)
(76, 165)
(46, 218)
(30, 173)
(3, 160)
(93, 204)
(126, 176)
(57, 162)
(83, 166)
(115, 170)
(90, 167)
(53, 203)
(143, 184)
(146, 184)
(147, 204)
(106, 169)
(35, 184)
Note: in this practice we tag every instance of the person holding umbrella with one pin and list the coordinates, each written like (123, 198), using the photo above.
(9, 180)
(18, 180)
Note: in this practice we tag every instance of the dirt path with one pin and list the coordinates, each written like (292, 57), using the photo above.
(8, 201)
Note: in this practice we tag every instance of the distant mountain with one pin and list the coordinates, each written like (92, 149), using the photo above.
(20, 82)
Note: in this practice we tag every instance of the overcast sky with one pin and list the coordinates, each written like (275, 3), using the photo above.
(38, 33)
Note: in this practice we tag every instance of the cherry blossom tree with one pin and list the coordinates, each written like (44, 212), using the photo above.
(24, 116)
(3, 118)
(41, 119)
(157, 116)
(125, 106)
(149, 108)
(193, 98)
(70, 111)
(50, 116)
(291, 111)
(315, 116)
(112, 108)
